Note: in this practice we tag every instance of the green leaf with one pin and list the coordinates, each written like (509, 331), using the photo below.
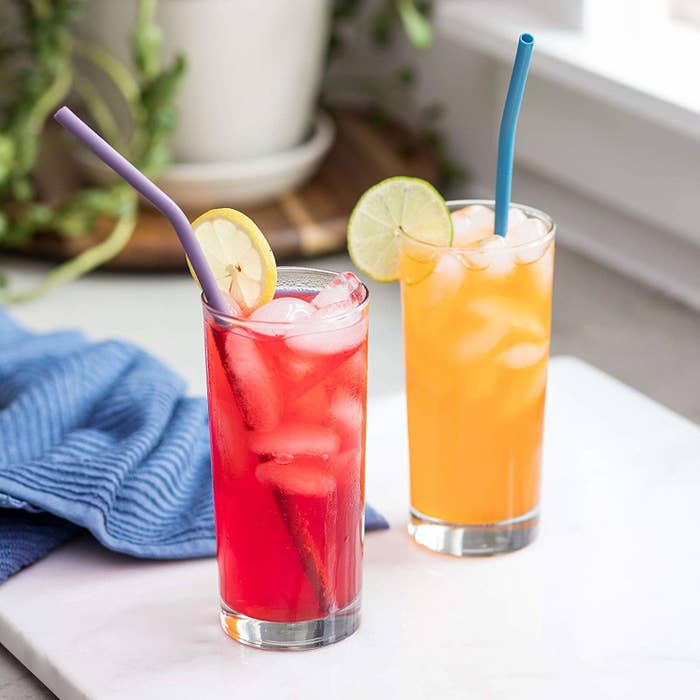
(84, 262)
(109, 202)
(147, 41)
(22, 190)
(160, 91)
(4, 226)
(74, 222)
(7, 156)
(38, 215)
(415, 24)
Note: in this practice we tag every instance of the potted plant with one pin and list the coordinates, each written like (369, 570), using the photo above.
(122, 62)
(39, 57)
(254, 69)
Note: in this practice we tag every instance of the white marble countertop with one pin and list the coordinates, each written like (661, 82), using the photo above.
(603, 605)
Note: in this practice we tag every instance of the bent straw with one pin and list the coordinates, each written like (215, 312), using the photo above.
(506, 136)
(310, 558)
(109, 156)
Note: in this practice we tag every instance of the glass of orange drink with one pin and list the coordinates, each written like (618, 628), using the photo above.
(476, 290)
(476, 320)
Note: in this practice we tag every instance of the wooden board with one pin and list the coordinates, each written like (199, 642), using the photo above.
(305, 223)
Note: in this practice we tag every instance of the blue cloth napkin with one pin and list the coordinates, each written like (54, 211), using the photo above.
(100, 436)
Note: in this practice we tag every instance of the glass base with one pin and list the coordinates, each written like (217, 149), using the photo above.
(291, 636)
(473, 540)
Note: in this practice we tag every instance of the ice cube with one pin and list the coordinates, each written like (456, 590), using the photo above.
(465, 233)
(526, 389)
(528, 240)
(333, 327)
(346, 415)
(347, 467)
(465, 237)
(515, 217)
(295, 438)
(482, 217)
(344, 287)
(297, 368)
(445, 280)
(276, 313)
(352, 372)
(417, 251)
(471, 224)
(542, 270)
(328, 336)
(297, 477)
(512, 312)
(251, 379)
(493, 256)
(311, 406)
(523, 355)
(336, 308)
(304, 370)
(479, 342)
(415, 270)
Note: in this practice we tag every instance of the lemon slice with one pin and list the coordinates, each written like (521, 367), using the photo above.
(239, 256)
(393, 206)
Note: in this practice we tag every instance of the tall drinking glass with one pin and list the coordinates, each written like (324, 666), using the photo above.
(476, 332)
(287, 407)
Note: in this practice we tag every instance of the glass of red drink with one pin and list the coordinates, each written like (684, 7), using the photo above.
(287, 409)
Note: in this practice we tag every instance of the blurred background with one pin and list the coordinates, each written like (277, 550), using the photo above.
(289, 111)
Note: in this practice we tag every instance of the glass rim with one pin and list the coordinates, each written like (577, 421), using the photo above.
(531, 212)
(237, 320)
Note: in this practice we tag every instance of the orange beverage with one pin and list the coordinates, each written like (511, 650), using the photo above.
(476, 321)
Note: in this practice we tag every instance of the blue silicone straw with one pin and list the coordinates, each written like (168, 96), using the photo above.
(506, 136)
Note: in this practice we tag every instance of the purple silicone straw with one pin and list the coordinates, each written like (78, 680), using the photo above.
(154, 195)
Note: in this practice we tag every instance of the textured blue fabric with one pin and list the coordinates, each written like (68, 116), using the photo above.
(100, 436)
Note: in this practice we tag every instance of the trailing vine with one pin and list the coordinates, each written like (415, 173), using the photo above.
(42, 69)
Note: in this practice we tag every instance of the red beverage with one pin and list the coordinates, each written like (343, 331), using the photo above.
(287, 406)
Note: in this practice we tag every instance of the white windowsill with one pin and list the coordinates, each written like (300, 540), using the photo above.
(652, 73)
(609, 136)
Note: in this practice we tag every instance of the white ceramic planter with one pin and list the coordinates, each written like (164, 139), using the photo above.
(254, 69)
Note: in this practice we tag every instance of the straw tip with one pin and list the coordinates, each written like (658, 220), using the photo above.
(61, 112)
(527, 39)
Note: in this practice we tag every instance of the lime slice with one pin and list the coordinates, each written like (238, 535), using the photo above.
(239, 256)
(393, 206)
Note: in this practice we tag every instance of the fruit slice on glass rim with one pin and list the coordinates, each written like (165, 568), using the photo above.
(239, 256)
(394, 206)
